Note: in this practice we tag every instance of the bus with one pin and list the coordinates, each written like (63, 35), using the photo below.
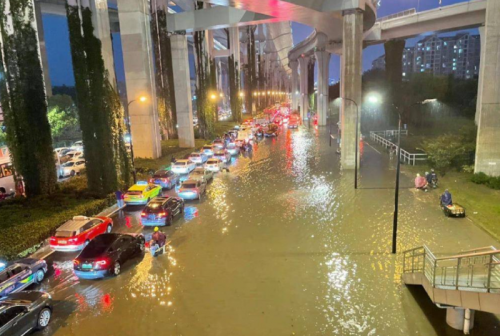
(7, 184)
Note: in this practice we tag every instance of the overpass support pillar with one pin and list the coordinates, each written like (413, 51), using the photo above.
(488, 135)
(304, 75)
(460, 319)
(182, 88)
(139, 76)
(352, 49)
(323, 59)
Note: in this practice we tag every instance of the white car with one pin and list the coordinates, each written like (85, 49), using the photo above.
(208, 150)
(183, 166)
(222, 155)
(72, 168)
(233, 149)
(201, 174)
(198, 158)
(61, 150)
(214, 165)
(74, 155)
(78, 144)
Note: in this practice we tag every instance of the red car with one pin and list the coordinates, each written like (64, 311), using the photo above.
(75, 234)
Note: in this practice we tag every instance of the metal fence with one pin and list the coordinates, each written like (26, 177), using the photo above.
(405, 156)
(397, 15)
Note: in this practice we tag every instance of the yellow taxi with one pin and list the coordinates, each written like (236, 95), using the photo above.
(141, 193)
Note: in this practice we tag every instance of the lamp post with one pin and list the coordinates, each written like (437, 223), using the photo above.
(398, 168)
(142, 99)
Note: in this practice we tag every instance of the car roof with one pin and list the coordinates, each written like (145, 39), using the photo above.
(75, 223)
(136, 187)
(159, 199)
(220, 151)
(213, 159)
(182, 160)
(190, 181)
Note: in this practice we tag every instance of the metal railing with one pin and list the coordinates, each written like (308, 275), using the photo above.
(405, 156)
(477, 270)
(398, 15)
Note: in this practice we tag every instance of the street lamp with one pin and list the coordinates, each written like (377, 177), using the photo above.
(142, 99)
(398, 169)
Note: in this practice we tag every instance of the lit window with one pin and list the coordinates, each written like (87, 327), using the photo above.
(428, 48)
(422, 70)
(404, 73)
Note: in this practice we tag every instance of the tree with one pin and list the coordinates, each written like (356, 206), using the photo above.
(63, 118)
(99, 108)
(23, 98)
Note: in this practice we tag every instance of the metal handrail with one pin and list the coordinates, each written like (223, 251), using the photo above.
(405, 156)
(477, 270)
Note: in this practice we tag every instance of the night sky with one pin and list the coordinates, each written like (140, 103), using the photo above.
(61, 72)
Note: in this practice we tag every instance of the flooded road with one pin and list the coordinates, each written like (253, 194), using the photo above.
(280, 245)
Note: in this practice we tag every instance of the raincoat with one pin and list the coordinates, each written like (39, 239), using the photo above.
(446, 198)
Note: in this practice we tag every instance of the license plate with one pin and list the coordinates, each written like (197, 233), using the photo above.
(87, 266)
(63, 242)
(151, 216)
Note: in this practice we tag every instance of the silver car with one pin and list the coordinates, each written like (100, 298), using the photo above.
(201, 174)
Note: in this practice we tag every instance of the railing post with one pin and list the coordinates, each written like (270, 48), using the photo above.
(434, 274)
(488, 281)
(458, 272)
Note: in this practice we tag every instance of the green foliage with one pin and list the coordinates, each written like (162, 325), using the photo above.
(451, 150)
(63, 118)
(164, 76)
(99, 107)
(23, 99)
(26, 223)
(3, 137)
(490, 181)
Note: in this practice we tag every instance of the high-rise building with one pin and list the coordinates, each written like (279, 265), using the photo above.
(457, 55)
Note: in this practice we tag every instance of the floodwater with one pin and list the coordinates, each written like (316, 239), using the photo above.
(280, 245)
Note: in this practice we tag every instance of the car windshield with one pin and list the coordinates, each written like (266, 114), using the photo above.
(189, 185)
(65, 234)
(98, 246)
(231, 145)
(212, 161)
(207, 147)
(181, 163)
(68, 164)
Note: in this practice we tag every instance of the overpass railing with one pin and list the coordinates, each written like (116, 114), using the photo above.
(398, 15)
(405, 156)
(477, 270)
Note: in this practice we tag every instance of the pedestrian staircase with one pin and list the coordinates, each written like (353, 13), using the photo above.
(467, 280)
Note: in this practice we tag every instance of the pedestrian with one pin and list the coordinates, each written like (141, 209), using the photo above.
(173, 160)
(119, 198)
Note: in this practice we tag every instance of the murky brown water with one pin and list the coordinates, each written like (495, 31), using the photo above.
(281, 245)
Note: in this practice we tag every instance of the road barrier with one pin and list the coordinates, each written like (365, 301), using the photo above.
(405, 156)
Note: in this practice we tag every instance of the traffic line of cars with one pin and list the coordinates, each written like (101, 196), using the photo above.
(102, 252)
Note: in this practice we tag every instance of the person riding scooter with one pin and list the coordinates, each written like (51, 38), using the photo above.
(434, 179)
(158, 242)
(421, 183)
(446, 199)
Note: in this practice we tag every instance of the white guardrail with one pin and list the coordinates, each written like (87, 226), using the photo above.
(405, 156)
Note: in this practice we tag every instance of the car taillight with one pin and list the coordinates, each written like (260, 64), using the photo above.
(76, 262)
(196, 190)
(165, 180)
(53, 239)
(162, 214)
(143, 214)
(101, 263)
(151, 180)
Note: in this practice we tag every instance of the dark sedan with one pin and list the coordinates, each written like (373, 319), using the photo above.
(106, 253)
(24, 311)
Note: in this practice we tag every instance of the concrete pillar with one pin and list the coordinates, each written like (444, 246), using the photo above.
(323, 59)
(139, 76)
(488, 136)
(304, 99)
(460, 319)
(479, 100)
(100, 20)
(234, 42)
(43, 49)
(182, 88)
(352, 49)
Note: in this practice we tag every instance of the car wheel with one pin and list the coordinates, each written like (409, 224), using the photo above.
(72, 173)
(116, 268)
(109, 228)
(142, 246)
(43, 318)
(39, 275)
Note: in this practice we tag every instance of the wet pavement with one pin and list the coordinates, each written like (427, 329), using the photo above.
(280, 245)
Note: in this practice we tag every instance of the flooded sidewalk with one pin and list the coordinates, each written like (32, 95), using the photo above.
(281, 245)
